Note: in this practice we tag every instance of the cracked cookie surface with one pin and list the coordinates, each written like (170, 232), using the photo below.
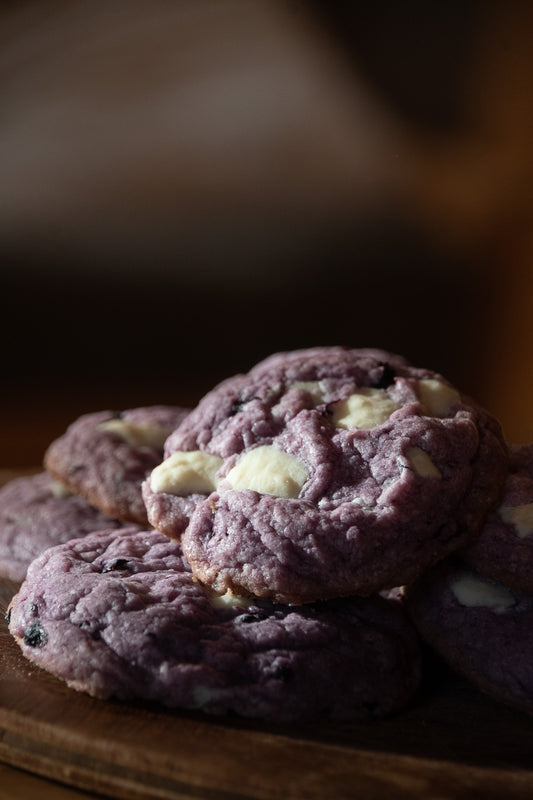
(326, 472)
(105, 456)
(504, 548)
(37, 512)
(119, 614)
(480, 627)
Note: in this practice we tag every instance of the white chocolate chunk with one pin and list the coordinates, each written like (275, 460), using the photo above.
(59, 490)
(227, 600)
(438, 397)
(474, 592)
(186, 472)
(137, 434)
(365, 409)
(267, 470)
(422, 464)
(358, 501)
(519, 516)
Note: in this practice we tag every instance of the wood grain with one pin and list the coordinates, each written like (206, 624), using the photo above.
(453, 742)
(16, 784)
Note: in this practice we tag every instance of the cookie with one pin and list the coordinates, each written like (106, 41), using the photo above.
(119, 614)
(37, 512)
(504, 549)
(105, 456)
(326, 472)
(481, 628)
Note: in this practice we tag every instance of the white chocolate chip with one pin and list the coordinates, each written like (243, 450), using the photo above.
(59, 490)
(358, 501)
(474, 592)
(226, 600)
(519, 516)
(422, 464)
(437, 397)
(365, 409)
(267, 470)
(137, 434)
(186, 472)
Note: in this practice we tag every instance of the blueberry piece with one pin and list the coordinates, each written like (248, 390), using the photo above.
(255, 616)
(119, 564)
(283, 673)
(87, 625)
(35, 636)
(237, 407)
(387, 377)
(239, 404)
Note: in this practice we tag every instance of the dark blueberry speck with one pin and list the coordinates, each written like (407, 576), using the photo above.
(284, 673)
(35, 636)
(387, 377)
(8, 616)
(87, 625)
(255, 616)
(238, 405)
(119, 564)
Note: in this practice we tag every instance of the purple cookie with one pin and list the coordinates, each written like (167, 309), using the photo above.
(36, 512)
(481, 628)
(504, 549)
(324, 473)
(119, 614)
(105, 456)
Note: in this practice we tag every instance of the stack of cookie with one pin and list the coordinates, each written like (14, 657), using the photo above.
(286, 509)
(92, 481)
(476, 609)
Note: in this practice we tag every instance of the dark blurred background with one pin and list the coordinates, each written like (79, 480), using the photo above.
(186, 187)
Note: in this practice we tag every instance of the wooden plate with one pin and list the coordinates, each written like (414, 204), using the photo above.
(453, 742)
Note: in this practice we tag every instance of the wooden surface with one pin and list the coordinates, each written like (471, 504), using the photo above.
(452, 742)
(16, 784)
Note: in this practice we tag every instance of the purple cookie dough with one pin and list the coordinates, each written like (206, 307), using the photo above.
(481, 628)
(102, 466)
(504, 549)
(295, 362)
(119, 614)
(380, 502)
(36, 513)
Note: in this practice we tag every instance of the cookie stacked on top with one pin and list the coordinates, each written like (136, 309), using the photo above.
(286, 508)
(324, 473)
